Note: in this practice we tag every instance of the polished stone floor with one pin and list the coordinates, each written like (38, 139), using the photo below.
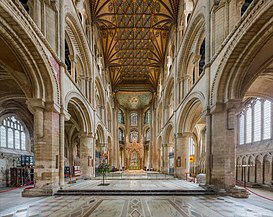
(12, 204)
(135, 185)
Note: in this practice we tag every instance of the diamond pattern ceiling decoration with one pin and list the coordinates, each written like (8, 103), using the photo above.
(134, 35)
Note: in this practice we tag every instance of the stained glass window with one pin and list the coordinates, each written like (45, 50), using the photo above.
(192, 148)
(252, 124)
(148, 135)
(134, 119)
(120, 117)
(257, 121)
(3, 135)
(267, 120)
(12, 134)
(249, 125)
(242, 129)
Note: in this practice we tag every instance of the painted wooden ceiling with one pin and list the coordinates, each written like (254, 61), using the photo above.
(134, 36)
(134, 100)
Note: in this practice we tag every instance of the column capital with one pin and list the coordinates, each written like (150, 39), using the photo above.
(34, 104)
(87, 135)
(52, 106)
(65, 113)
(183, 135)
(232, 104)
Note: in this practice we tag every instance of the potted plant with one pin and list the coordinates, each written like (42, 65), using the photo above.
(103, 169)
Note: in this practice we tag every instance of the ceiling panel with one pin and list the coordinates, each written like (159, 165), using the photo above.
(134, 35)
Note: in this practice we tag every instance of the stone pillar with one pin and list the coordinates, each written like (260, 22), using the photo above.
(182, 154)
(180, 89)
(64, 115)
(88, 88)
(115, 142)
(161, 157)
(221, 151)
(46, 149)
(73, 66)
(86, 154)
(61, 149)
(186, 85)
(196, 66)
(165, 158)
(122, 158)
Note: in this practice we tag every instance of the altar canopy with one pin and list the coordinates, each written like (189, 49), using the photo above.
(134, 156)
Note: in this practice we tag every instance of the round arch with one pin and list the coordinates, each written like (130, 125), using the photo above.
(75, 99)
(167, 133)
(39, 79)
(233, 78)
(77, 38)
(100, 133)
(191, 112)
(195, 27)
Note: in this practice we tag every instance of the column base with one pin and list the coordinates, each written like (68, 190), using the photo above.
(48, 190)
(238, 192)
(86, 177)
(233, 191)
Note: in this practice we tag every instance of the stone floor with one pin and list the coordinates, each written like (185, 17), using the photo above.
(135, 185)
(12, 204)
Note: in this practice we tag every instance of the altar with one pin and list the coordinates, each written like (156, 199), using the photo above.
(134, 156)
(134, 161)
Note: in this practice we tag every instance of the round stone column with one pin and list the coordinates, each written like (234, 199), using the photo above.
(86, 155)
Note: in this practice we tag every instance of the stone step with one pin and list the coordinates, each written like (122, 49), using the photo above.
(100, 192)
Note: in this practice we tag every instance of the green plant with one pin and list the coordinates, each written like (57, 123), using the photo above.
(103, 168)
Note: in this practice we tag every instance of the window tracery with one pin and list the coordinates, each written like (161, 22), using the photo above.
(255, 121)
(134, 119)
(12, 134)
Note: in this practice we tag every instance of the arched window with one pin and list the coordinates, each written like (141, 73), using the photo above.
(3, 135)
(147, 117)
(120, 135)
(257, 121)
(120, 117)
(245, 6)
(134, 119)
(202, 57)
(148, 135)
(267, 120)
(133, 136)
(242, 129)
(25, 5)
(67, 58)
(191, 148)
(12, 134)
(251, 124)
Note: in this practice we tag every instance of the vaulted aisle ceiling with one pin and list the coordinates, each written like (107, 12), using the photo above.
(134, 35)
